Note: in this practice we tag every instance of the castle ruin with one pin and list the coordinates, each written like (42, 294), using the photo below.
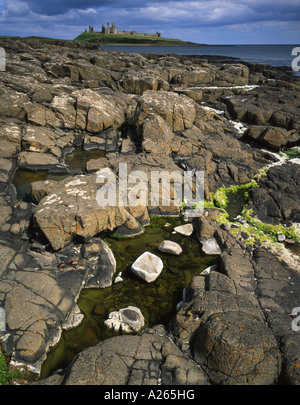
(112, 30)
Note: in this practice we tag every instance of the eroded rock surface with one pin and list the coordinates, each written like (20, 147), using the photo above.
(152, 112)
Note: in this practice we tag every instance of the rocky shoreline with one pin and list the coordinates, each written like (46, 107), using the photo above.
(153, 112)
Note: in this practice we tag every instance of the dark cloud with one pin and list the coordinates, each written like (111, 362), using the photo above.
(184, 19)
(56, 7)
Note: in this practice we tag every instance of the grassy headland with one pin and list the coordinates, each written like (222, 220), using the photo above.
(117, 39)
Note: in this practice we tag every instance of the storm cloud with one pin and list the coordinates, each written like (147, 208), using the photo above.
(210, 21)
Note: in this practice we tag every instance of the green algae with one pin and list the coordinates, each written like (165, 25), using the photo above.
(157, 300)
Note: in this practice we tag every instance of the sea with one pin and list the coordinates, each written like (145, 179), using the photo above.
(273, 55)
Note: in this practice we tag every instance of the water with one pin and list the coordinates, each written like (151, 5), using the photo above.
(76, 162)
(273, 55)
(157, 300)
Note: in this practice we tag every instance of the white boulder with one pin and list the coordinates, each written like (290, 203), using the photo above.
(129, 319)
(147, 266)
(210, 247)
(186, 229)
(167, 246)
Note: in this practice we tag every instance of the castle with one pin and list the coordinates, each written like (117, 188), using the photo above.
(113, 30)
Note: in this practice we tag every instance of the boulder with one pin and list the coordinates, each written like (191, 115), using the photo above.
(147, 266)
(168, 246)
(241, 350)
(72, 208)
(178, 111)
(185, 230)
(128, 319)
(210, 246)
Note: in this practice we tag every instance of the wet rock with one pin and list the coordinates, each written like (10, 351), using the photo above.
(148, 266)
(186, 229)
(168, 246)
(128, 319)
(102, 264)
(146, 359)
(210, 247)
(40, 161)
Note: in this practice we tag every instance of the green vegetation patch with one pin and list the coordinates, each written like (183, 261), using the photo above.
(292, 153)
(98, 37)
(6, 377)
(254, 228)
(219, 199)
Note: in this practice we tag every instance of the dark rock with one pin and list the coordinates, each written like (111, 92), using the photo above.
(276, 199)
(146, 359)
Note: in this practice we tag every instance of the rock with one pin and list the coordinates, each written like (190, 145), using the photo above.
(186, 229)
(208, 270)
(147, 266)
(157, 136)
(210, 247)
(101, 270)
(128, 319)
(107, 141)
(178, 111)
(38, 139)
(10, 140)
(168, 246)
(274, 137)
(150, 358)
(281, 238)
(194, 93)
(138, 83)
(15, 228)
(40, 161)
(250, 347)
(101, 112)
(205, 228)
(71, 208)
(276, 199)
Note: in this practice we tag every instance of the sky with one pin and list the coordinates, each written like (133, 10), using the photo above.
(208, 22)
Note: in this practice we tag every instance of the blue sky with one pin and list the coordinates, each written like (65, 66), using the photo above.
(210, 21)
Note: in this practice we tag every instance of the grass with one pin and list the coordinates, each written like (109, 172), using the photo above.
(98, 37)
